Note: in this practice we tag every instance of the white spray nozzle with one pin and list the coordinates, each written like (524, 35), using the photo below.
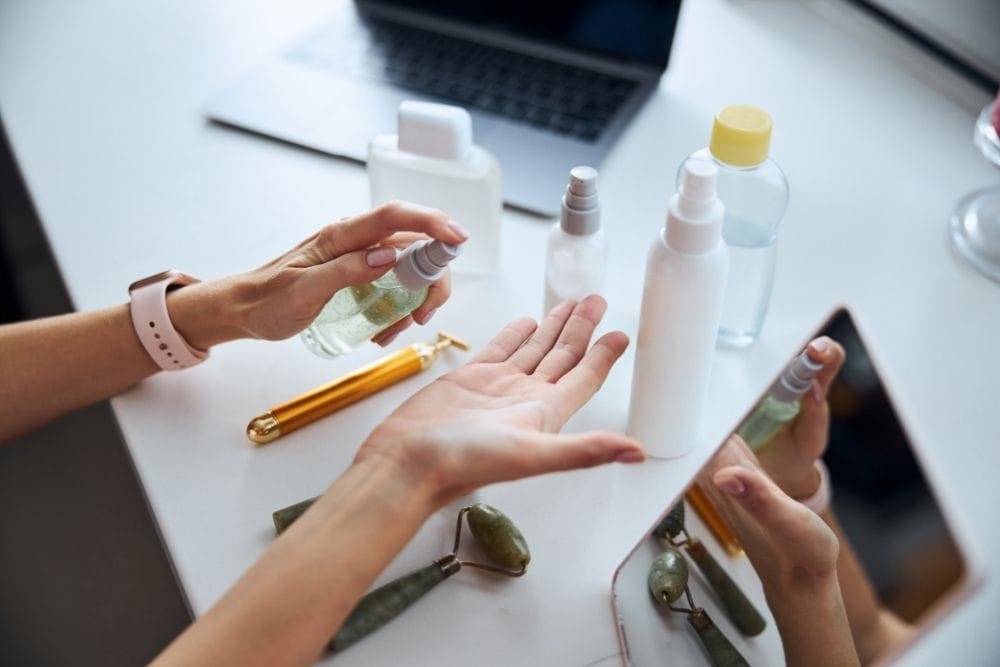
(424, 262)
(581, 208)
(796, 379)
(697, 192)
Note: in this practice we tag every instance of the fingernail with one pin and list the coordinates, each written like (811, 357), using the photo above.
(820, 345)
(427, 316)
(388, 340)
(631, 456)
(731, 485)
(380, 257)
(458, 229)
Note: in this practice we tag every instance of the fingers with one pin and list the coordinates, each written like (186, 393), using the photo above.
(831, 354)
(573, 340)
(438, 293)
(321, 282)
(788, 524)
(586, 378)
(527, 357)
(388, 335)
(379, 224)
(537, 453)
(506, 342)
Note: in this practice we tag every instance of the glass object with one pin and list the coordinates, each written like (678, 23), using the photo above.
(975, 223)
(902, 534)
(754, 192)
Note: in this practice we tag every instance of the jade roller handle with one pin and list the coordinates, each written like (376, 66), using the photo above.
(742, 612)
(389, 601)
(721, 651)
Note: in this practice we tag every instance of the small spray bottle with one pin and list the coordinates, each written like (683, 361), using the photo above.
(357, 313)
(781, 405)
(577, 256)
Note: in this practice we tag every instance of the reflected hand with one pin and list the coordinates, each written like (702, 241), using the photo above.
(497, 417)
(779, 535)
(790, 457)
(284, 296)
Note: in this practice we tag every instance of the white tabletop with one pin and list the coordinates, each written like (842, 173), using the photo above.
(102, 100)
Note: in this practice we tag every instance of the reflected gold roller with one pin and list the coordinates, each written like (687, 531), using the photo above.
(321, 401)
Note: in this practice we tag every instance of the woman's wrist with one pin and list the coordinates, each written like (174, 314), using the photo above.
(209, 313)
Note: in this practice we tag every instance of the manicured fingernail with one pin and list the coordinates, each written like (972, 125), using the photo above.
(427, 316)
(386, 341)
(631, 456)
(731, 485)
(820, 345)
(380, 257)
(458, 229)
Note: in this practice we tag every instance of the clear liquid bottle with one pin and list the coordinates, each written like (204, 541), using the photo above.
(782, 403)
(433, 162)
(577, 255)
(754, 191)
(358, 312)
(681, 303)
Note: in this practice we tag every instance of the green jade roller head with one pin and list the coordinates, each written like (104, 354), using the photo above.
(668, 581)
(738, 607)
(497, 536)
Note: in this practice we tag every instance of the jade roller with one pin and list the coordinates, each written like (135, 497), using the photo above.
(496, 535)
(739, 609)
(668, 578)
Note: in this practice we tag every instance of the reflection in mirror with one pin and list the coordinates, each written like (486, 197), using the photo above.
(815, 535)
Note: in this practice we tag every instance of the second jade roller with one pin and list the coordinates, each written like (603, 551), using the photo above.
(358, 312)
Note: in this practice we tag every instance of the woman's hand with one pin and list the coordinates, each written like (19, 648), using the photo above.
(285, 295)
(790, 457)
(793, 551)
(497, 417)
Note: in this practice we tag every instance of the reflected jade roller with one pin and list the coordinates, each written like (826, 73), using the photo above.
(496, 535)
(739, 609)
(668, 579)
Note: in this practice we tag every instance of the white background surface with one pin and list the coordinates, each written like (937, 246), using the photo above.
(102, 105)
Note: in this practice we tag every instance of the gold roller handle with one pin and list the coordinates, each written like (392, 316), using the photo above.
(343, 391)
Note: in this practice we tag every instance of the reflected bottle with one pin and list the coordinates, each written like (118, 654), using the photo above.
(755, 193)
(782, 403)
(358, 312)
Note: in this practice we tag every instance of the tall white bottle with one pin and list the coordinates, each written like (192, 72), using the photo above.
(681, 307)
(433, 162)
(576, 255)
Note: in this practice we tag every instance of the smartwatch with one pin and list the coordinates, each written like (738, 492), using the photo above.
(165, 346)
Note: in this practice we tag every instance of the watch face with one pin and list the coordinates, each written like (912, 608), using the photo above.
(172, 275)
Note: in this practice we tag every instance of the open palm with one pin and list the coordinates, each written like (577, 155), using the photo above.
(497, 418)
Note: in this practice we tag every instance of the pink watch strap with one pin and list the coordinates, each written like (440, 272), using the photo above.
(819, 501)
(156, 332)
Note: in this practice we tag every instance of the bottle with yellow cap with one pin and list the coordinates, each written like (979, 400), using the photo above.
(754, 191)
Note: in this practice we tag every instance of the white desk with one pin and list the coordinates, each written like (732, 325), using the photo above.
(102, 100)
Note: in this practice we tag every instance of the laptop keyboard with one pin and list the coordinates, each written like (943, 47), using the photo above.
(561, 98)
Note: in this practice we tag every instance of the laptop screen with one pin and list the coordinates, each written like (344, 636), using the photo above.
(639, 31)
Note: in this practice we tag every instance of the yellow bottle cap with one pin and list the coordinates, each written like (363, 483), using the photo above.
(741, 135)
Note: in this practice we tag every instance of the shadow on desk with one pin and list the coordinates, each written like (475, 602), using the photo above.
(84, 579)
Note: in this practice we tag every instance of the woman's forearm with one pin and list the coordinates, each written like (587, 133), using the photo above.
(811, 620)
(290, 603)
(55, 365)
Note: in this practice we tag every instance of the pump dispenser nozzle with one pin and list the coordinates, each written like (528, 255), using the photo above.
(581, 208)
(694, 220)
(424, 262)
(796, 379)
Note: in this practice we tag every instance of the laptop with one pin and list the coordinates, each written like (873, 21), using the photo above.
(550, 85)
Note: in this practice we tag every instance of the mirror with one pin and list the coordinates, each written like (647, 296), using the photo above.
(901, 560)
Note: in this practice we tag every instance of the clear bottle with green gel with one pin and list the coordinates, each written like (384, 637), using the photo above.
(357, 313)
(781, 405)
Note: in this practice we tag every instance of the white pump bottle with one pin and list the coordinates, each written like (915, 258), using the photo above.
(681, 307)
